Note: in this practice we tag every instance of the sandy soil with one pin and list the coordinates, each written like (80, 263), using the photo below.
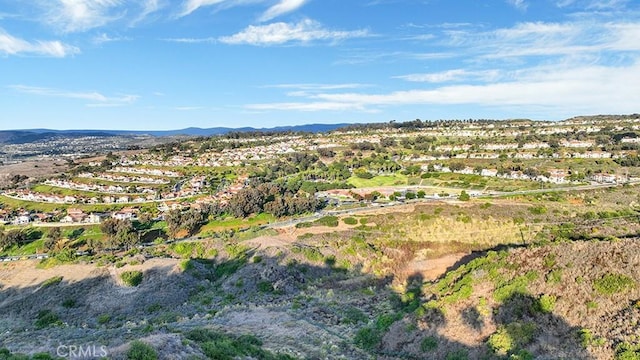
(23, 274)
(431, 269)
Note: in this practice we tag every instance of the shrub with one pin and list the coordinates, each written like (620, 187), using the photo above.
(331, 221)
(626, 351)
(352, 315)
(464, 196)
(265, 287)
(131, 278)
(588, 339)
(509, 338)
(384, 321)
(141, 351)
(220, 346)
(330, 260)
(516, 286)
(104, 318)
(546, 303)
(47, 318)
(367, 338)
(486, 205)
(457, 355)
(429, 343)
(186, 265)
(554, 277)
(350, 220)
(611, 284)
(69, 303)
(538, 210)
(549, 261)
(52, 281)
(310, 253)
(521, 355)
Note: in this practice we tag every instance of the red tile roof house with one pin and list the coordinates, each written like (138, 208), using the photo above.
(74, 216)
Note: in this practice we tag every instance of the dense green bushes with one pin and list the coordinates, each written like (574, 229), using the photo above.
(131, 278)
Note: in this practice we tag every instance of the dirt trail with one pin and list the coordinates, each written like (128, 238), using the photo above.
(431, 269)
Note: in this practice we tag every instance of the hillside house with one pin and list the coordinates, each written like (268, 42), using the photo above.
(125, 214)
(74, 216)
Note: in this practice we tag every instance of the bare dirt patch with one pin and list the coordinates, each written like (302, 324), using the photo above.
(34, 168)
(431, 269)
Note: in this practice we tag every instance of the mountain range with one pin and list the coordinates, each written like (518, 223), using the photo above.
(31, 135)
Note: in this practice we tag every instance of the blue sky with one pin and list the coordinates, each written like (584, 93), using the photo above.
(168, 64)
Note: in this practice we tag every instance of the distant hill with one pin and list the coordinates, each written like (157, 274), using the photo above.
(31, 135)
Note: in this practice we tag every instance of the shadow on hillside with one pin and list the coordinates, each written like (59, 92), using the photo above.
(173, 295)
(516, 329)
(232, 293)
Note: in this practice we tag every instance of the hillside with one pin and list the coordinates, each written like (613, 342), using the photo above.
(346, 290)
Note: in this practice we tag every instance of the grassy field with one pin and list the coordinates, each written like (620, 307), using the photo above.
(47, 189)
(235, 223)
(382, 180)
(82, 180)
(477, 182)
(47, 207)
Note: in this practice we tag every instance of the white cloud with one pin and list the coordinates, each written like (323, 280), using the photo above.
(11, 45)
(282, 7)
(607, 4)
(363, 57)
(307, 107)
(192, 40)
(280, 33)
(554, 89)
(563, 3)
(518, 4)
(187, 108)
(81, 15)
(318, 87)
(193, 5)
(148, 7)
(96, 99)
(105, 38)
(546, 40)
(452, 75)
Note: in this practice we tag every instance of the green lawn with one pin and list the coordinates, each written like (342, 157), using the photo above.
(47, 189)
(48, 207)
(381, 180)
(235, 223)
(31, 248)
(82, 180)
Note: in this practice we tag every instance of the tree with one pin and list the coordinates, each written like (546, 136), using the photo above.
(456, 166)
(55, 233)
(174, 222)
(464, 196)
(119, 233)
(145, 219)
(246, 202)
(109, 227)
(326, 152)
